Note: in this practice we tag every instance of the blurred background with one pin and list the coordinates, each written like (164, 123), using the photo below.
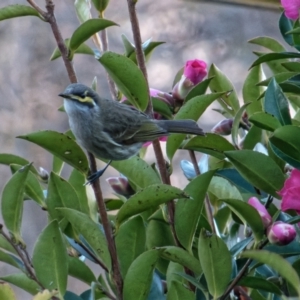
(213, 31)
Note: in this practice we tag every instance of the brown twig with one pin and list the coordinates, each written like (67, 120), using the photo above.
(116, 274)
(206, 201)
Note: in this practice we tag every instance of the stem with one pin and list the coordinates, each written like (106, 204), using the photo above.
(208, 210)
(116, 274)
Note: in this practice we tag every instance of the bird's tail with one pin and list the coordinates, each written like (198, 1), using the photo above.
(181, 126)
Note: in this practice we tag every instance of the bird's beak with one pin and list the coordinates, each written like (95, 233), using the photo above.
(66, 96)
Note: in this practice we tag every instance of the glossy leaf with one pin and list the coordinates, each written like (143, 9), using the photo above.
(6, 292)
(128, 78)
(60, 145)
(268, 42)
(253, 137)
(4, 244)
(86, 30)
(182, 257)
(193, 109)
(12, 260)
(292, 66)
(249, 164)
(251, 92)
(130, 242)
(286, 25)
(213, 142)
(280, 77)
(248, 214)
(100, 5)
(16, 11)
(78, 269)
(91, 233)
(147, 198)
(139, 276)
(187, 211)
(285, 139)
(276, 103)
(215, 260)
(277, 263)
(162, 108)
(22, 281)
(8, 159)
(12, 202)
(220, 83)
(198, 89)
(148, 48)
(50, 259)
(178, 291)
(172, 273)
(33, 188)
(71, 296)
(265, 121)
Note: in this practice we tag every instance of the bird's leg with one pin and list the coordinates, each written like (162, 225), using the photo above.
(97, 175)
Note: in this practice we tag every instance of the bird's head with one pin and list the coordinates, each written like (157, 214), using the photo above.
(80, 93)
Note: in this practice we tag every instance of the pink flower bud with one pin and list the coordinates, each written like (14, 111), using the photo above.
(265, 216)
(224, 127)
(291, 8)
(281, 233)
(120, 185)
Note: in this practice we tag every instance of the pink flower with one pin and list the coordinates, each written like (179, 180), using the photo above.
(195, 70)
(281, 233)
(120, 185)
(291, 192)
(265, 216)
(291, 8)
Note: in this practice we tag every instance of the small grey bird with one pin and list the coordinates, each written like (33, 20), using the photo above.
(112, 130)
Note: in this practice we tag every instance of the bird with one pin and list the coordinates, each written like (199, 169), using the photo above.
(112, 130)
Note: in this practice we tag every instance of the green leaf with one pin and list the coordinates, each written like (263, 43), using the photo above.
(12, 260)
(249, 164)
(260, 283)
(57, 165)
(60, 145)
(265, 121)
(276, 103)
(133, 167)
(253, 137)
(15, 11)
(149, 197)
(274, 56)
(251, 91)
(268, 43)
(215, 143)
(6, 292)
(193, 109)
(182, 257)
(78, 269)
(100, 5)
(249, 215)
(162, 108)
(22, 281)
(198, 89)
(177, 291)
(280, 77)
(286, 25)
(130, 242)
(91, 233)
(139, 276)
(236, 124)
(292, 66)
(276, 262)
(187, 212)
(172, 273)
(286, 140)
(220, 83)
(33, 188)
(216, 263)
(83, 10)
(128, 78)
(12, 202)
(4, 244)
(50, 259)
(8, 159)
(86, 30)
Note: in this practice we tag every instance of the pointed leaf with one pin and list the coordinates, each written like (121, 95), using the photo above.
(137, 282)
(12, 202)
(198, 89)
(292, 66)
(50, 259)
(265, 121)
(86, 30)
(268, 43)
(83, 10)
(60, 145)
(4, 244)
(8, 159)
(100, 5)
(128, 78)
(78, 269)
(91, 233)
(220, 83)
(187, 212)
(12, 260)
(249, 164)
(178, 291)
(15, 11)
(253, 137)
(216, 263)
(193, 109)
(286, 25)
(149, 197)
(22, 281)
(130, 242)
(276, 103)
(276, 262)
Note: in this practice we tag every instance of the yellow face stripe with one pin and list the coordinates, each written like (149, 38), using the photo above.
(86, 99)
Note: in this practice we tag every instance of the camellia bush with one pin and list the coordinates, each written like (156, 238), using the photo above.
(231, 233)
